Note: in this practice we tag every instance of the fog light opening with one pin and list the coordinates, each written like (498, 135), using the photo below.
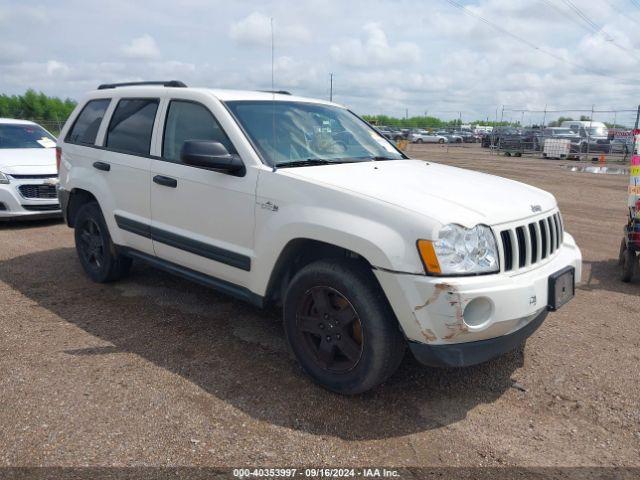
(478, 312)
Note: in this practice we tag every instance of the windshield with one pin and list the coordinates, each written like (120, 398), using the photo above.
(25, 136)
(562, 131)
(286, 132)
(597, 131)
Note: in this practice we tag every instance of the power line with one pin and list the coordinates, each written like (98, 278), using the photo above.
(593, 26)
(566, 14)
(521, 39)
(598, 30)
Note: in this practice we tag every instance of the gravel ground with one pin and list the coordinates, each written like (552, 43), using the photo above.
(155, 370)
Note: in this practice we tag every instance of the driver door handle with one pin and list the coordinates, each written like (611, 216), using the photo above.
(165, 181)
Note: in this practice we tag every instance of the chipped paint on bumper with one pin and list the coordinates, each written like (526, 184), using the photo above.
(431, 309)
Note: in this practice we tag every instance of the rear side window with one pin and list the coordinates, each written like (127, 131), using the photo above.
(131, 126)
(190, 121)
(86, 126)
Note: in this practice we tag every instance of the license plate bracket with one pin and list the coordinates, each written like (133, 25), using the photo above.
(562, 288)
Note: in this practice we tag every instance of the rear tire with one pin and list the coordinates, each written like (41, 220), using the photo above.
(97, 252)
(340, 326)
(628, 265)
(441, 140)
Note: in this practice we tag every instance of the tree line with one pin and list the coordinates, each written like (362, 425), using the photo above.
(427, 122)
(35, 106)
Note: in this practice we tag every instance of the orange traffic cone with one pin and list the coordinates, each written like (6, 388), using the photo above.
(601, 160)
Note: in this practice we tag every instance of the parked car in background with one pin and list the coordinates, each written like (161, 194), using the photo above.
(28, 174)
(467, 136)
(368, 252)
(385, 131)
(594, 135)
(397, 134)
(451, 136)
(559, 133)
(622, 145)
(500, 135)
(422, 136)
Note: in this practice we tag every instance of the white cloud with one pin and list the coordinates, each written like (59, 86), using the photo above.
(142, 48)
(55, 68)
(374, 49)
(255, 29)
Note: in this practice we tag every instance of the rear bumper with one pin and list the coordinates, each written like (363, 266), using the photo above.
(63, 198)
(472, 353)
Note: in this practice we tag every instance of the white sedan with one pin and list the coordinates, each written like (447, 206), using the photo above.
(423, 136)
(28, 173)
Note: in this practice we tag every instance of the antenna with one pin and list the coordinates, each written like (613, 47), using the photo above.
(272, 57)
(331, 87)
(273, 101)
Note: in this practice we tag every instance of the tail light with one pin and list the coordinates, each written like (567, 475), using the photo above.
(58, 158)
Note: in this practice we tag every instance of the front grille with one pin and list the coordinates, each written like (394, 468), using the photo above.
(42, 208)
(33, 176)
(38, 191)
(528, 244)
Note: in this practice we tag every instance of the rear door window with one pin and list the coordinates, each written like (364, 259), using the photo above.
(131, 126)
(190, 121)
(85, 128)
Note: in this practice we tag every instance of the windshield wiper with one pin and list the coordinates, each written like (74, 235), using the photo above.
(313, 161)
(304, 163)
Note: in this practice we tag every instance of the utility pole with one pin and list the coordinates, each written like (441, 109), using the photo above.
(544, 118)
(331, 87)
(406, 113)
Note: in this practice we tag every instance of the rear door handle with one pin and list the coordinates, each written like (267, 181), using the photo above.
(105, 167)
(165, 181)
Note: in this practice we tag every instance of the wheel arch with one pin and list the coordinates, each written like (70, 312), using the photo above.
(298, 253)
(77, 198)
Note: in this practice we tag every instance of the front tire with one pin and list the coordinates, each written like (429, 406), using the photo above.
(94, 246)
(341, 328)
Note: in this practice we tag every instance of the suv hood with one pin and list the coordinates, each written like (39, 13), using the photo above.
(24, 161)
(444, 193)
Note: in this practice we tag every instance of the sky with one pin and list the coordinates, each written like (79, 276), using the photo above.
(445, 58)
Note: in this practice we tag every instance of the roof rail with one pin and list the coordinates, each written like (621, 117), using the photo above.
(169, 83)
(280, 92)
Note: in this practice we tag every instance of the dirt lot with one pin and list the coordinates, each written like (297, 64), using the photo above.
(155, 370)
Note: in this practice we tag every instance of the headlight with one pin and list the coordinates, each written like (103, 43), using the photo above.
(460, 251)
(3, 178)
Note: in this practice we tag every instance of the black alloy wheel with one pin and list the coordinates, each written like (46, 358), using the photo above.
(91, 246)
(98, 255)
(331, 329)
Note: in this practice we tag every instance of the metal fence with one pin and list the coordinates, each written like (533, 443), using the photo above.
(583, 133)
(53, 126)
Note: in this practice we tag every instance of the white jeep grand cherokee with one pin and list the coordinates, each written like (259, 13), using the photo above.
(277, 199)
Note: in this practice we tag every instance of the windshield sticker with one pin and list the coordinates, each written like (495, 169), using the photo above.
(46, 142)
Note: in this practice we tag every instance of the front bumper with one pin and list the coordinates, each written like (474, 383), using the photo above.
(13, 205)
(471, 353)
(433, 313)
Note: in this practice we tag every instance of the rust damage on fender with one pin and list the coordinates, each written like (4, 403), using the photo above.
(454, 299)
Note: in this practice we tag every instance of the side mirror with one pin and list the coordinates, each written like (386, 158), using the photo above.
(212, 156)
